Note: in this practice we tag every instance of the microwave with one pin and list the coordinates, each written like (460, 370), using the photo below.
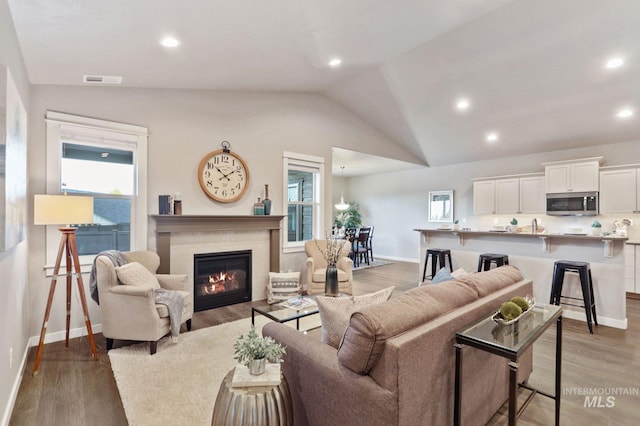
(572, 204)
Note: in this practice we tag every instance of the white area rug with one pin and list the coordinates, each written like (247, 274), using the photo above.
(179, 384)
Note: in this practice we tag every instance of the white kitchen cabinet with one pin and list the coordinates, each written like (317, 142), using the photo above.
(484, 197)
(581, 176)
(532, 195)
(619, 191)
(507, 194)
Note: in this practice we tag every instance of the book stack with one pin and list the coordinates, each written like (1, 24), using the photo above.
(242, 377)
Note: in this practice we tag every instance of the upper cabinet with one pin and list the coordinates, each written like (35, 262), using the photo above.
(484, 197)
(532, 194)
(620, 191)
(573, 176)
(509, 195)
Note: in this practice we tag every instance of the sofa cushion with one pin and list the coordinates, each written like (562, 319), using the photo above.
(135, 274)
(488, 282)
(371, 327)
(336, 311)
(283, 286)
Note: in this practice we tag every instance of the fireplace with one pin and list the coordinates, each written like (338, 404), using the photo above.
(221, 279)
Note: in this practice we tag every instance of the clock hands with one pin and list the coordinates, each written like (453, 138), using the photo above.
(223, 175)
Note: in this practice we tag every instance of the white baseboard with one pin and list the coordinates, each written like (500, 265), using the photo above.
(61, 335)
(609, 322)
(399, 259)
(13, 395)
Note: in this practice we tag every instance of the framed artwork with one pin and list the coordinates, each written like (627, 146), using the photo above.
(441, 206)
(13, 163)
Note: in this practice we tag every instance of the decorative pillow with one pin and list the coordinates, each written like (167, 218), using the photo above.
(283, 286)
(458, 273)
(335, 312)
(135, 274)
(441, 276)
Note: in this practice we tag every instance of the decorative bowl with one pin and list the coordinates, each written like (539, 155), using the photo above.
(497, 317)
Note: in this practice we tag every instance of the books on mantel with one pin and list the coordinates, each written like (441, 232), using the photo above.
(270, 377)
(298, 303)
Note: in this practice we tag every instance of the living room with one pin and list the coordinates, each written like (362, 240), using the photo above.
(186, 121)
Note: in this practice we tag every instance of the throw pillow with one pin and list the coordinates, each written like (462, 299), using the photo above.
(135, 274)
(283, 286)
(441, 276)
(458, 273)
(335, 312)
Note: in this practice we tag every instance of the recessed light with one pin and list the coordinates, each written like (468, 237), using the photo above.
(614, 63)
(625, 113)
(335, 62)
(463, 104)
(491, 137)
(170, 42)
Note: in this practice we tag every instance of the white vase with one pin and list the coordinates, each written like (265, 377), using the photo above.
(257, 366)
(595, 232)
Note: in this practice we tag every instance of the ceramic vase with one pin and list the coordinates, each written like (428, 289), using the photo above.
(257, 366)
(331, 280)
(266, 201)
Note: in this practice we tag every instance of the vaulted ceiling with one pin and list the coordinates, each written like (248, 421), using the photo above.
(533, 72)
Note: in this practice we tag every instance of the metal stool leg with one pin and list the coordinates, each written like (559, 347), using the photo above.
(593, 299)
(450, 264)
(586, 296)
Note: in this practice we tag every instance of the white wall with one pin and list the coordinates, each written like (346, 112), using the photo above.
(14, 300)
(185, 125)
(396, 203)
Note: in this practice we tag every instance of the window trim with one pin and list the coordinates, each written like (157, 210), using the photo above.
(317, 165)
(139, 137)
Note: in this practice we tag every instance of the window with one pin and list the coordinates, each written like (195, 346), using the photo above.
(107, 174)
(107, 161)
(303, 204)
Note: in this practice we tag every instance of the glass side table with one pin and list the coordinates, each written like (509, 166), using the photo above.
(505, 341)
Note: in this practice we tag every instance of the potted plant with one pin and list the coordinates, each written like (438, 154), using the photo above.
(455, 224)
(253, 351)
(596, 228)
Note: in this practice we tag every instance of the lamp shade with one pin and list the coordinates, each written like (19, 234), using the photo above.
(62, 209)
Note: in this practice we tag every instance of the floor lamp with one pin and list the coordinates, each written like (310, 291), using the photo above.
(64, 210)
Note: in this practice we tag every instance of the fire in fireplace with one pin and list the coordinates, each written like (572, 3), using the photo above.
(221, 279)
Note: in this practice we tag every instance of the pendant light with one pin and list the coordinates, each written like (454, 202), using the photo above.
(342, 205)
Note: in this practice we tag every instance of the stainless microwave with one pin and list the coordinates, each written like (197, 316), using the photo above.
(572, 204)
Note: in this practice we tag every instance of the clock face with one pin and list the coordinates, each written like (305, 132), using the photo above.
(223, 176)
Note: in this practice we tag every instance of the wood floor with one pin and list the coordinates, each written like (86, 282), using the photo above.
(71, 389)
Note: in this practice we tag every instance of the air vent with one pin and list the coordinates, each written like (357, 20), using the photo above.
(102, 79)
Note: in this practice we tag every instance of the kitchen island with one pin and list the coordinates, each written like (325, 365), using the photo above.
(535, 253)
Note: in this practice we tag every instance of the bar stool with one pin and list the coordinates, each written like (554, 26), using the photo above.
(437, 256)
(486, 259)
(584, 270)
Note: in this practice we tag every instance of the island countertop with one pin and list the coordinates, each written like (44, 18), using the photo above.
(612, 237)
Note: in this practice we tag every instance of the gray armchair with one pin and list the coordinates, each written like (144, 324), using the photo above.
(317, 267)
(129, 312)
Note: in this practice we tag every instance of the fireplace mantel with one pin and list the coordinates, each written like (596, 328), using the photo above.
(168, 224)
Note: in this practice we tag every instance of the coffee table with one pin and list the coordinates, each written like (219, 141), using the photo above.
(279, 313)
(504, 341)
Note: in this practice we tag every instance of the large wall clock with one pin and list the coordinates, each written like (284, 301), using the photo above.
(223, 175)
